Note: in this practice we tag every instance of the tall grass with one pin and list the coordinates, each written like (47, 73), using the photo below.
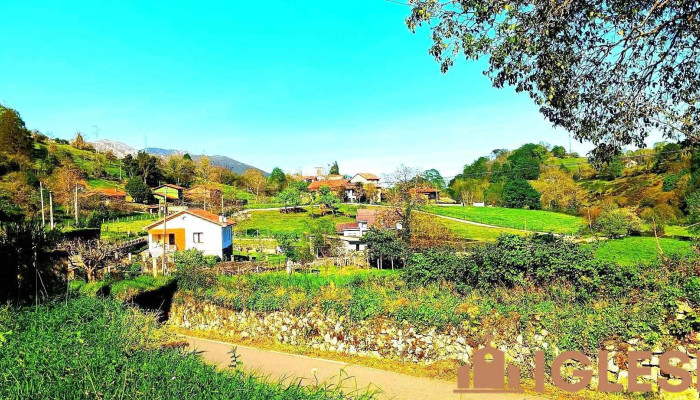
(91, 348)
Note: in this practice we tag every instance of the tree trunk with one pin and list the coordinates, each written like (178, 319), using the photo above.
(392, 263)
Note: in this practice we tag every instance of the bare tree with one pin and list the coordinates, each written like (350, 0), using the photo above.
(89, 255)
(403, 195)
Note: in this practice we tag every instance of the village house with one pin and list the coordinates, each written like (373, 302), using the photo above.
(174, 193)
(112, 194)
(430, 193)
(350, 233)
(192, 229)
(349, 190)
(365, 178)
(341, 187)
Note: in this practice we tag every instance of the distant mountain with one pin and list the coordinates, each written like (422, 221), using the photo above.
(120, 150)
(157, 151)
(222, 161)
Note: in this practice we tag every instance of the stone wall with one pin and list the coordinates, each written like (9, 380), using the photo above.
(386, 338)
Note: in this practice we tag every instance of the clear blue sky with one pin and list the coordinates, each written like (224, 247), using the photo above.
(274, 83)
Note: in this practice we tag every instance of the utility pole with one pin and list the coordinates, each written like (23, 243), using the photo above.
(165, 218)
(41, 194)
(51, 208)
(75, 199)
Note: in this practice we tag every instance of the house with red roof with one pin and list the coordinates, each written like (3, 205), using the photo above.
(191, 229)
(350, 233)
(110, 194)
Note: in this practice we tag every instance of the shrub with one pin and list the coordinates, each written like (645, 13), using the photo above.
(96, 217)
(194, 270)
(617, 222)
(670, 182)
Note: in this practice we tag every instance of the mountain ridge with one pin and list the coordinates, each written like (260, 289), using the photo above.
(121, 149)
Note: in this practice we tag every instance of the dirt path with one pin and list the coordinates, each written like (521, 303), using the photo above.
(392, 385)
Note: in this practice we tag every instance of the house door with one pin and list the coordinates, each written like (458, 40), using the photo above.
(171, 239)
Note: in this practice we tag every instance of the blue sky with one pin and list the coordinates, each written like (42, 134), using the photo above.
(275, 83)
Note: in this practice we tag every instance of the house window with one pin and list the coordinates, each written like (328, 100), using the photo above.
(197, 237)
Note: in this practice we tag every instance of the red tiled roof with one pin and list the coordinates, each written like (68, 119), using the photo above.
(209, 216)
(340, 227)
(334, 184)
(366, 215)
(111, 192)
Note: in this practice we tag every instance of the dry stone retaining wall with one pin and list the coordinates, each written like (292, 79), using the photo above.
(385, 338)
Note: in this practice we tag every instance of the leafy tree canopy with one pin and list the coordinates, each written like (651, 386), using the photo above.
(433, 176)
(518, 193)
(15, 139)
(138, 190)
(334, 169)
(609, 73)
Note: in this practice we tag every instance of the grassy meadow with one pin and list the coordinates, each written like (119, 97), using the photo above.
(635, 249)
(268, 223)
(126, 228)
(475, 232)
(514, 218)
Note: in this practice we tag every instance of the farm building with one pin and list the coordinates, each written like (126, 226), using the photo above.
(430, 193)
(192, 229)
(112, 194)
(173, 192)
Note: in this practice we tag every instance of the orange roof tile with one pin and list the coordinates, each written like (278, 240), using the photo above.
(113, 192)
(334, 184)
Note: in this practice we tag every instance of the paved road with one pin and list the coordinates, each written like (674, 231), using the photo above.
(393, 385)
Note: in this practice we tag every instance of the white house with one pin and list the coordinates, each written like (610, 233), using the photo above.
(192, 229)
(364, 178)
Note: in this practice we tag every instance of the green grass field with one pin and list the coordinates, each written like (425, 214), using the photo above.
(126, 228)
(270, 222)
(104, 184)
(633, 250)
(571, 164)
(533, 220)
(676, 230)
(468, 231)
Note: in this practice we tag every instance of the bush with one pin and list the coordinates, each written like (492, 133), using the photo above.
(533, 261)
(98, 215)
(617, 222)
(194, 270)
(670, 182)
